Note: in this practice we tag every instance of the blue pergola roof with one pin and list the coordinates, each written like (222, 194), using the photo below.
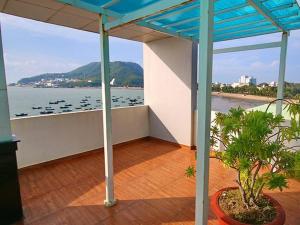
(232, 18)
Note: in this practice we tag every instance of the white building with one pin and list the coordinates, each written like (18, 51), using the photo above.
(247, 80)
(234, 85)
(273, 84)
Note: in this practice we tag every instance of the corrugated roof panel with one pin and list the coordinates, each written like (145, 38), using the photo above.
(232, 18)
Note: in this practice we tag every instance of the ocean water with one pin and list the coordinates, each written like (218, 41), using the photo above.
(21, 100)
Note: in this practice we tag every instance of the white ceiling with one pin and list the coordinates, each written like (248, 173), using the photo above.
(51, 11)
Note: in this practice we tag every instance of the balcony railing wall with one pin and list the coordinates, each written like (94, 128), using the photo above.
(45, 138)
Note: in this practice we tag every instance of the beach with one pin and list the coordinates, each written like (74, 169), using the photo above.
(244, 96)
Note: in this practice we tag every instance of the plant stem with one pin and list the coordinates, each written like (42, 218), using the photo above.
(242, 191)
(259, 190)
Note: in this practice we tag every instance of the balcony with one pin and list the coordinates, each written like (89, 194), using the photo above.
(150, 186)
(63, 181)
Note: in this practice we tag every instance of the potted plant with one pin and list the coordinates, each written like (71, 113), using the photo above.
(258, 148)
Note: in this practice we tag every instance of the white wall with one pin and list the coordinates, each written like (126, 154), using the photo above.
(44, 138)
(168, 89)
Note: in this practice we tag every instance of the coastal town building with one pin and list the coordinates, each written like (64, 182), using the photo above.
(247, 80)
(273, 84)
(244, 80)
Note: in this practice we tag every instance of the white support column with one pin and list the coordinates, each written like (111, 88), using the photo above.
(281, 77)
(205, 62)
(5, 129)
(107, 121)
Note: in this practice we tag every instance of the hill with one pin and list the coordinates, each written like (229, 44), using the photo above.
(124, 74)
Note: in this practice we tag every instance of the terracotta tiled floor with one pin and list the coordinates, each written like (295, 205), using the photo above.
(150, 186)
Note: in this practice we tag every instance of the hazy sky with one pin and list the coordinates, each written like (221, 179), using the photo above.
(32, 48)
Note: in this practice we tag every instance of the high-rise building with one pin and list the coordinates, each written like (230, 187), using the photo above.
(247, 80)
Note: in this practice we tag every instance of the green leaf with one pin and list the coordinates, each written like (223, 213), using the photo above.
(190, 171)
(277, 181)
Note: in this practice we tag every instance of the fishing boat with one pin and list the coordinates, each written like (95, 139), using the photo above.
(46, 112)
(21, 114)
(67, 110)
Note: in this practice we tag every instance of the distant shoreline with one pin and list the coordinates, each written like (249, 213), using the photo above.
(128, 88)
(243, 96)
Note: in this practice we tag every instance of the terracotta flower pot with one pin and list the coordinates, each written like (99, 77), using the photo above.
(224, 219)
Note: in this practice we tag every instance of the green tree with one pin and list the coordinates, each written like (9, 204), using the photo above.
(257, 148)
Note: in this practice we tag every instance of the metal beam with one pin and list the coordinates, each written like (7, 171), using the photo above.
(205, 57)
(248, 47)
(188, 29)
(283, 6)
(245, 35)
(236, 7)
(267, 14)
(237, 18)
(91, 7)
(152, 9)
(109, 4)
(249, 30)
(240, 25)
(180, 22)
(166, 15)
(163, 30)
(217, 22)
(282, 65)
(294, 19)
(107, 120)
(5, 129)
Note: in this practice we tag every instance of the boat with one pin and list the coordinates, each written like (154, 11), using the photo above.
(85, 105)
(39, 107)
(68, 105)
(67, 110)
(21, 114)
(53, 103)
(78, 108)
(61, 101)
(64, 107)
(46, 112)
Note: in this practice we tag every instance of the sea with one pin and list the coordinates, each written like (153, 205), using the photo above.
(28, 101)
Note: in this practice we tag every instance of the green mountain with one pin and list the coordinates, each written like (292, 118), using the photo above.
(124, 74)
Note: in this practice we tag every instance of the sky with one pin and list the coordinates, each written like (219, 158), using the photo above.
(32, 48)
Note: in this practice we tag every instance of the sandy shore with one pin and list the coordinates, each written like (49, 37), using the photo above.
(242, 96)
